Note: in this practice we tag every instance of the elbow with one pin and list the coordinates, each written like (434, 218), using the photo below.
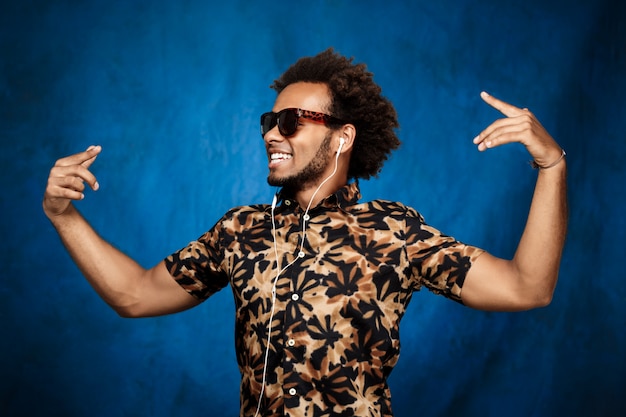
(543, 297)
(536, 300)
(542, 301)
(539, 293)
(128, 304)
(128, 311)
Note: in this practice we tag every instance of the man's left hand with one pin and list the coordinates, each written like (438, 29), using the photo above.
(519, 125)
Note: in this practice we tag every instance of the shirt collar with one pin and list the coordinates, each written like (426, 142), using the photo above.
(346, 196)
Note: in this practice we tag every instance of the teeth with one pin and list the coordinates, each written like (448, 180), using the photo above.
(277, 156)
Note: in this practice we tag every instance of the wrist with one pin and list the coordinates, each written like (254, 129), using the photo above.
(58, 220)
(556, 162)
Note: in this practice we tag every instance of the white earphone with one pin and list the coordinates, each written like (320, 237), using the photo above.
(341, 142)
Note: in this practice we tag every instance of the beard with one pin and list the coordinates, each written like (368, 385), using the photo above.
(309, 174)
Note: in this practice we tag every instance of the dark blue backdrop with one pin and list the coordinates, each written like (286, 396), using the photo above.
(173, 90)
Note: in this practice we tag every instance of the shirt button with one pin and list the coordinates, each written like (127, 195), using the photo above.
(295, 297)
(292, 391)
(287, 202)
(306, 217)
(291, 342)
(301, 254)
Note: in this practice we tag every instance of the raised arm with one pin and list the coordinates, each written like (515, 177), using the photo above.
(128, 288)
(529, 279)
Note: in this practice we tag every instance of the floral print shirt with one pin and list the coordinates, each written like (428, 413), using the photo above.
(335, 327)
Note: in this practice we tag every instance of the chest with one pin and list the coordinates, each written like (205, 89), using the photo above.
(332, 265)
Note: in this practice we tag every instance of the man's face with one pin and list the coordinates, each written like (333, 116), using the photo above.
(302, 160)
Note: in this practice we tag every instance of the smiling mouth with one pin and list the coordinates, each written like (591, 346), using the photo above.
(276, 158)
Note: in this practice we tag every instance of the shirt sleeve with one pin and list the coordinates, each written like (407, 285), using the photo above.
(198, 266)
(438, 262)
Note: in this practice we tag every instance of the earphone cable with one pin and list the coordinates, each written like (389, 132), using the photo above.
(281, 270)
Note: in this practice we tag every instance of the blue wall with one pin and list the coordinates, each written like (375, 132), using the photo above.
(173, 90)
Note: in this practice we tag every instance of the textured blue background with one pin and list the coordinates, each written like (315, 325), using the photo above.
(173, 90)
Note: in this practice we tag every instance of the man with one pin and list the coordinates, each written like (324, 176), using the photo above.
(320, 280)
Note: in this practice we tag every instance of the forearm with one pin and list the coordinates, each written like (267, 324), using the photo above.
(114, 276)
(529, 279)
(538, 255)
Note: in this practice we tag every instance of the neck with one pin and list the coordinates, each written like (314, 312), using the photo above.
(312, 195)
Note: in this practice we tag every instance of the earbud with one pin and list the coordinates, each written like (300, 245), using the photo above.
(341, 142)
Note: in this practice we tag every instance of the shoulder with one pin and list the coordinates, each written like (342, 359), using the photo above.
(239, 218)
(242, 216)
(249, 210)
(387, 208)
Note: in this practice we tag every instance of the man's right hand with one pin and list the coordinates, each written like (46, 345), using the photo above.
(126, 286)
(67, 181)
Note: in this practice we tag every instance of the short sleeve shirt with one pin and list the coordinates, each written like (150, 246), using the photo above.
(343, 275)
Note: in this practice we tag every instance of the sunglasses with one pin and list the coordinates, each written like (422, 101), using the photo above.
(288, 119)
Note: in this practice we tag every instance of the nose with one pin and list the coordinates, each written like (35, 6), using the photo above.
(273, 135)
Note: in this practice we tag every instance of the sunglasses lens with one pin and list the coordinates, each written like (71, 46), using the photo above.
(268, 121)
(287, 122)
(286, 119)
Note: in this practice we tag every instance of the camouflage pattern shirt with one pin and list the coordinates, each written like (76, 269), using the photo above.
(335, 327)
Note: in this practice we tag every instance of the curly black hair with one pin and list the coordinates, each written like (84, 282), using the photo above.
(356, 99)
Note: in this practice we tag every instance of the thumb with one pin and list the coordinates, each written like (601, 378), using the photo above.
(92, 154)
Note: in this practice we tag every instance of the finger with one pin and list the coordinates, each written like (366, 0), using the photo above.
(70, 183)
(521, 126)
(85, 158)
(516, 124)
(59, 174)
(65, 187)
(509, 134)
(91, 160)
(503, 107)
(56, 192)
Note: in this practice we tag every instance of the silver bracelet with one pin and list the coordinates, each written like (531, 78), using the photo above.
(535, 165)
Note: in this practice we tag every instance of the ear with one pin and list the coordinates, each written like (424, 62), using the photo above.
(348, 133)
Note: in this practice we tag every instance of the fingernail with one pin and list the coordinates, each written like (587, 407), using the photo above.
(484, 94)
(475, 140)
(96, 186)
